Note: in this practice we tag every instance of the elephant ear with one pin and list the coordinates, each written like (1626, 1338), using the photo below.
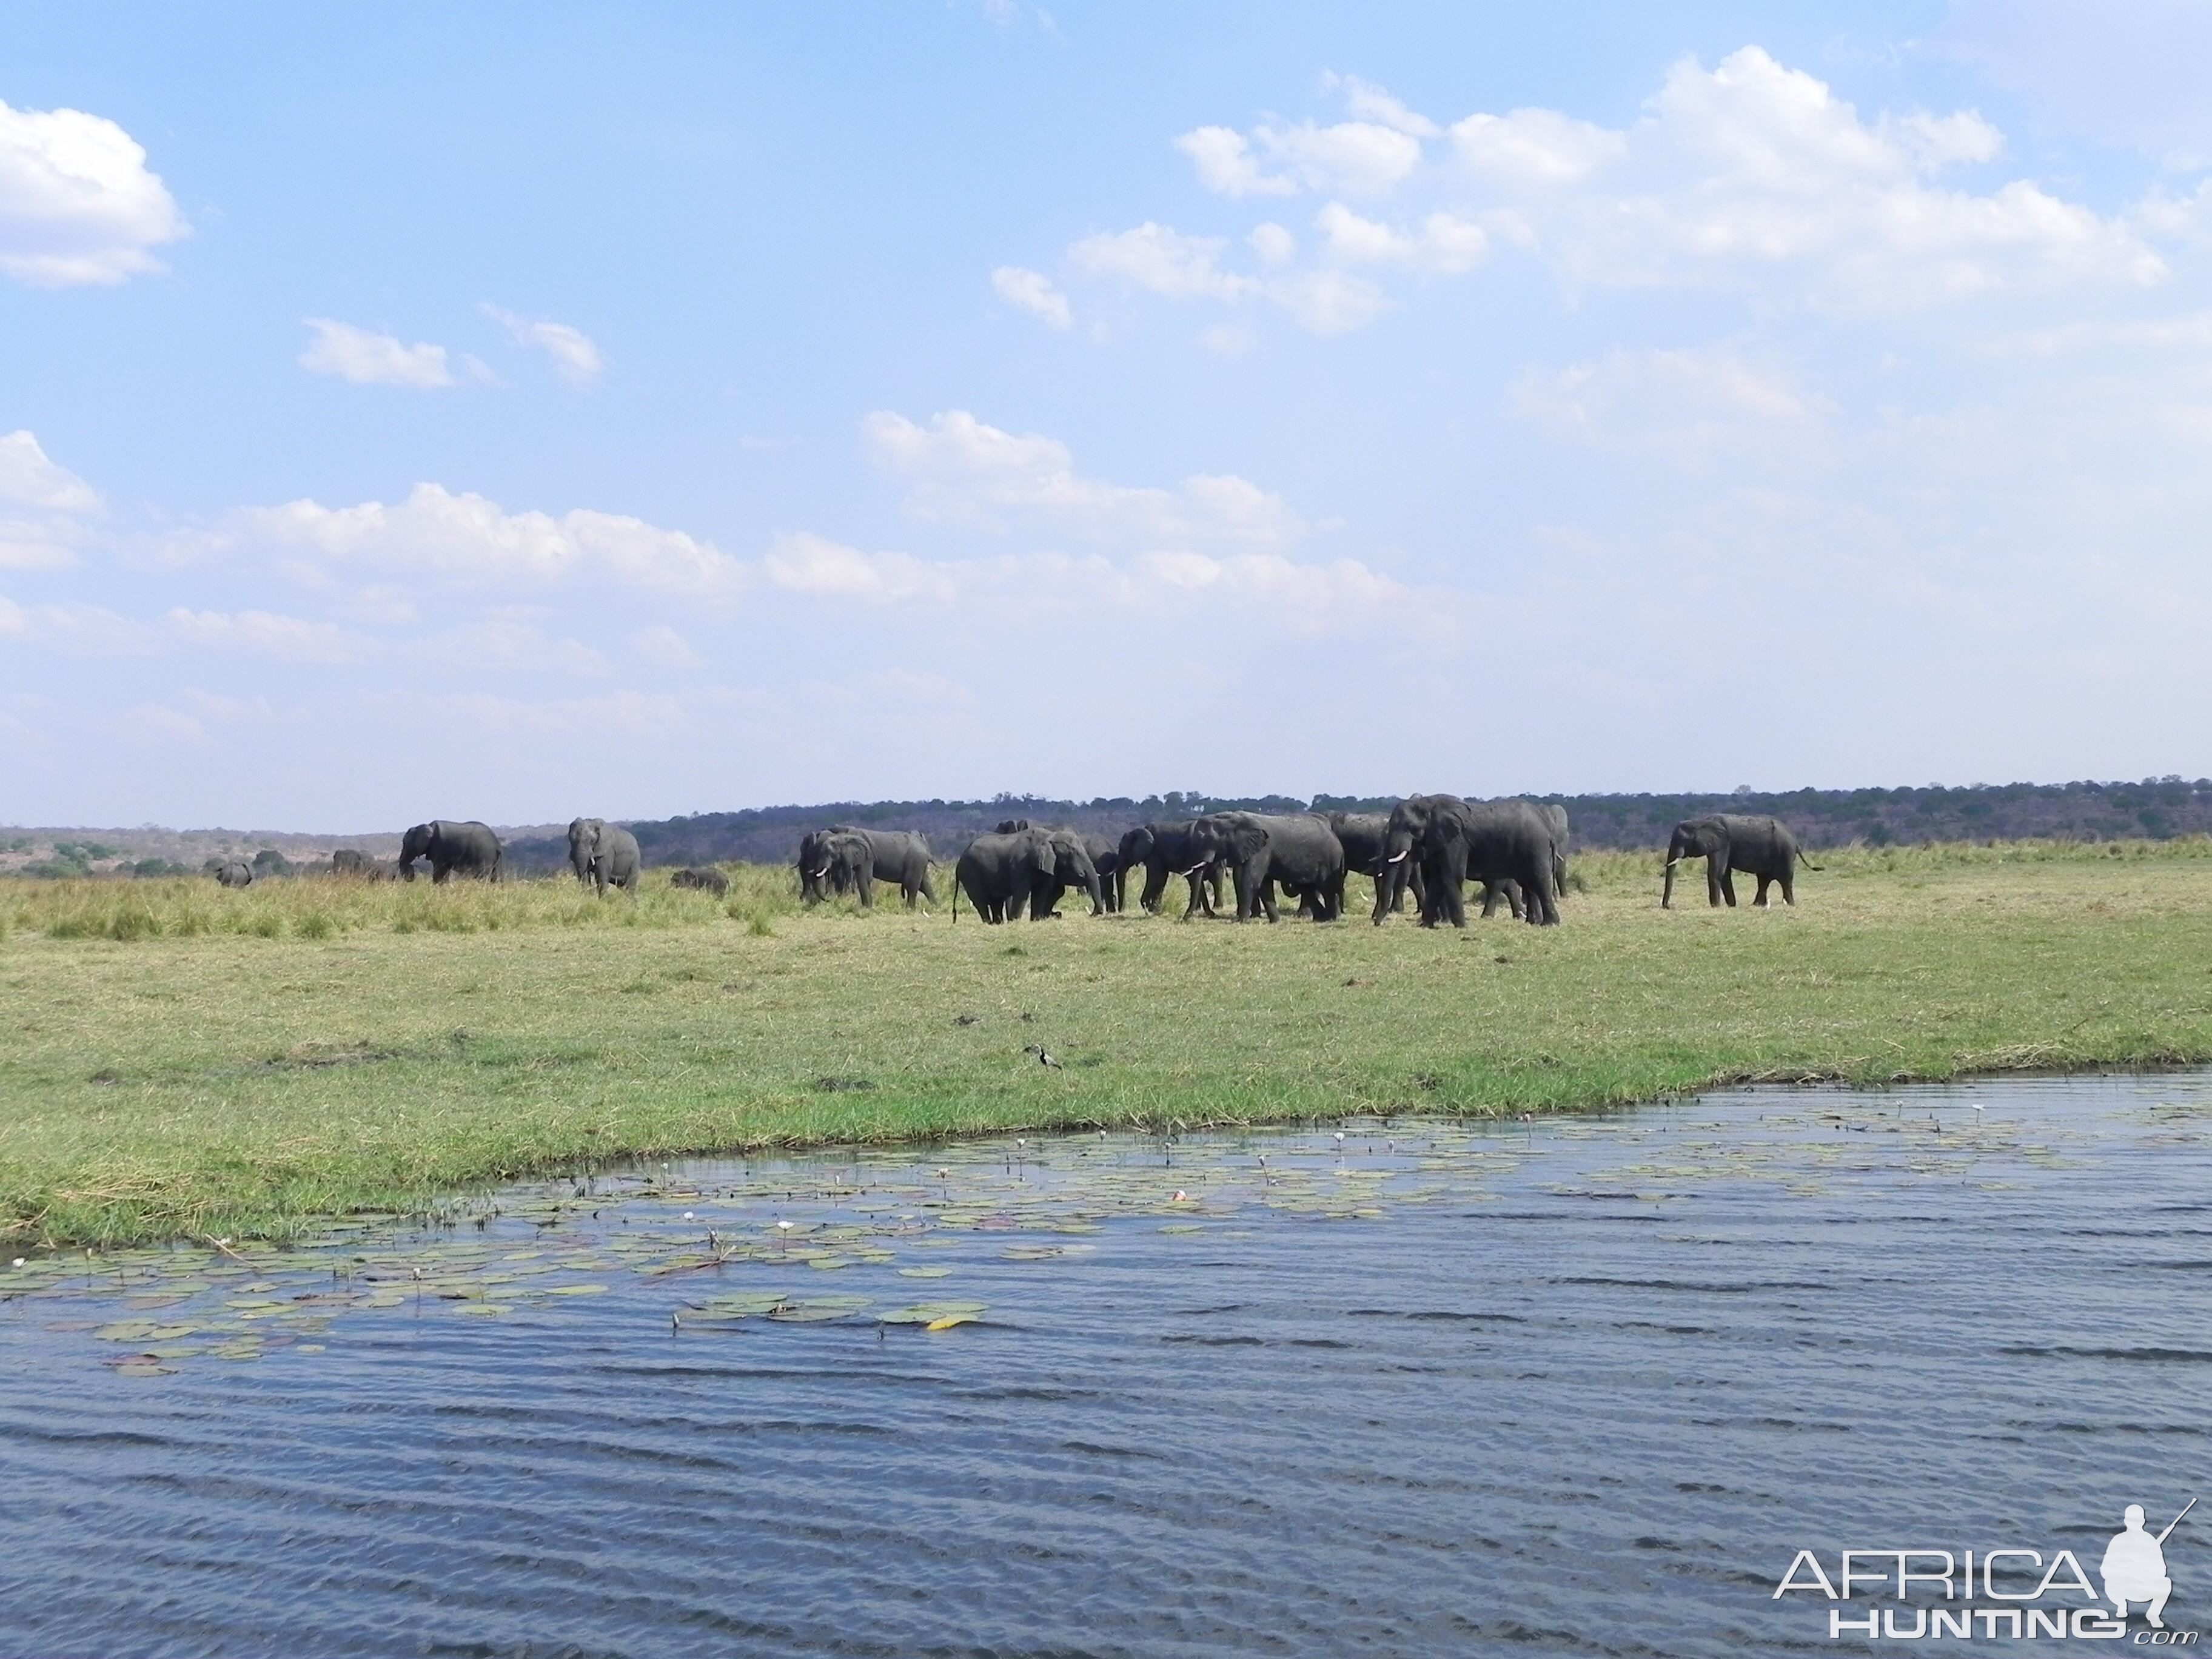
(1047, 856)
(1248, 838)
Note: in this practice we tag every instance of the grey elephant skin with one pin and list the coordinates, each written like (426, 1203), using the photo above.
(1298, 849)
(1363, 836)
(1162, 850)
(453, 848)
(844, 863)
(357, 865)
(704, 881)
(1072, 866)
(1457, 842)
(897, 858)
(234, 872)
(1758, 847)
(604, 854)
(1000, 872)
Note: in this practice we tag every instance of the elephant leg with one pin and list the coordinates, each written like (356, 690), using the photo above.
(1788, 888)
(1727, 883)
(1715, 882)
(1759, 900)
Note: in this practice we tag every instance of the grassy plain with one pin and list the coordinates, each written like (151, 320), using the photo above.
(184, 1061)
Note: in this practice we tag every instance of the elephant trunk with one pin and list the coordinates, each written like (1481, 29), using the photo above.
(1666, 892)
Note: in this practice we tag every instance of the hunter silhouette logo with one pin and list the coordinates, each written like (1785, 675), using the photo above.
(2007, 1592)
(2133, 1568)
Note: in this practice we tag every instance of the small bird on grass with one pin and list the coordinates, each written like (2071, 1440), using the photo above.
(1042, 1058)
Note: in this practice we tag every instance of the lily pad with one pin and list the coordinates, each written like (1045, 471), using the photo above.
(925, 1273)
(577, 1290)
(928, 1313)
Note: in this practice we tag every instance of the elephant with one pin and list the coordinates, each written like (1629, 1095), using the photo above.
(1165, 849)
(1362, 835)
(1299, 849)
(898, 856)
(233, 872)
(1758, 847)
(1508, 892)
(1487, 840)
(1105, 858)
(1000, 872)
(471, 848)
(1073, 866)
(604, 854)
(844, 862)
(351, 861)
(706, 881)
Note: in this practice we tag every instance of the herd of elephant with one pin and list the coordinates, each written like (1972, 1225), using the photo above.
(1427, 847)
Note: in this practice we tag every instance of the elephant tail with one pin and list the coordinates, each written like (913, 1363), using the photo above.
(956, 894)
(1805, 863)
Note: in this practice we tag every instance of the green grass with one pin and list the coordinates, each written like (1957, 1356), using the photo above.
(184, 1061)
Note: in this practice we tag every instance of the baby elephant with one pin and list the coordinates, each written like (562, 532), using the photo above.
(707, 881)
(234, 872)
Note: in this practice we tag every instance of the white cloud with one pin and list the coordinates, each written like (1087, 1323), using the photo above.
(1158, 259)
(1371, 103)
(366, 358)
(77, 205)
(665, 646)
(469, 540)
(811, 564)
(1358, 158)
(27, 479)
(1033, 292)
(576, 359)
(1535, 147)
(961, 471)
(1754, 172)
(1444, 242)
(43, 531)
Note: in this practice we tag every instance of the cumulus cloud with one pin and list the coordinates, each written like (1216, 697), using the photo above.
(1161, 261)
(1033, 292)
(366, 358)
(813, 564)
(467, 539)
(960, 471)
(575, 357)
(1749, 175)
(42, 507)
(1315, 595)
(1357, 158)
(77, 205)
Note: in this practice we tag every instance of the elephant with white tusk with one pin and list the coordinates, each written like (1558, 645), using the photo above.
(604, 854)
(899, 858)
(1727, 843)
(1164, 850)
(1456, 841)
(1298, 849)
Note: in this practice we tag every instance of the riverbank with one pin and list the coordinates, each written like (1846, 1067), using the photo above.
(235, 1064)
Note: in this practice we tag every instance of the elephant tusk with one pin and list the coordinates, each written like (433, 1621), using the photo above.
(1671, 863)
(1400, 858)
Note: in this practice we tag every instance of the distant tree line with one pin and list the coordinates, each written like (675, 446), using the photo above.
(2157, 808)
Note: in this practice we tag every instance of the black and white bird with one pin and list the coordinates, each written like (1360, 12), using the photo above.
(1042, 1058)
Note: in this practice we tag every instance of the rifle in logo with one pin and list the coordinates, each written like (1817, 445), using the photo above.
(2133, 1568)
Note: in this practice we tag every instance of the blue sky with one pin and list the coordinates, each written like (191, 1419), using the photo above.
(519, 411)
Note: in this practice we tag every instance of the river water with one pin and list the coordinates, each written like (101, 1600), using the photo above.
(1579, 1386)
